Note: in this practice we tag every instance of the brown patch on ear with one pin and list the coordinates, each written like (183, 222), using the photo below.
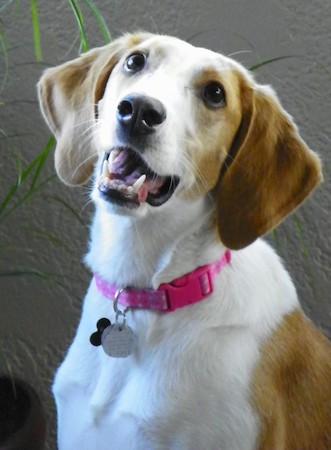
(269, 170)
(291, 389)
(135, 39)
(68, 95)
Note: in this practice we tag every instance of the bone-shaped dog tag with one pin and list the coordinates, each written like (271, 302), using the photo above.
(118, 340)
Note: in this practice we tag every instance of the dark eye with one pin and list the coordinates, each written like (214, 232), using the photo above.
(213, 94)
(135, 62)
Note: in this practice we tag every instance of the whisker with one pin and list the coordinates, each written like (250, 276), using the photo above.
(86, 205)
(140, 240)
(84, 122)
(240, 52)
(94, 155)
(190, 166)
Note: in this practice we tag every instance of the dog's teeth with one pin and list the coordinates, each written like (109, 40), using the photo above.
(113, 155)
(105, 171)
(103, 181)
(137, 185)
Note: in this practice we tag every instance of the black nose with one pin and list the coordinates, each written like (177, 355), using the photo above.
(140, 114)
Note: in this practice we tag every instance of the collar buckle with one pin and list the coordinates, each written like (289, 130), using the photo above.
(188, 289)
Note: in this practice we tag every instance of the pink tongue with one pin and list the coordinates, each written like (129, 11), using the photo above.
(151, 186)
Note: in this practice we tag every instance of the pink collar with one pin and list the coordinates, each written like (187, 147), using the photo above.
(186, 290)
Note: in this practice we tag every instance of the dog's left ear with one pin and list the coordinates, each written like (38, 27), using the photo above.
(268, 173)
(68, 96)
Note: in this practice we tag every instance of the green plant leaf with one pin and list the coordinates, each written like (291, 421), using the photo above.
(68, 207)
(275, 236)
(24, 199)
(3, 134)
(4, 6)
(101, 21)
(36, 31)
(22, 175)
(269, 61)
(4, 52)
(49, 278)
(304, 249)
(80, 23)
(9, 370)
(41, 160)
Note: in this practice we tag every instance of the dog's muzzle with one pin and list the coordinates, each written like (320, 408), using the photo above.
(126, 178)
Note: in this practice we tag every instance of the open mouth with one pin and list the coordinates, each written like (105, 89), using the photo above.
(127, 180)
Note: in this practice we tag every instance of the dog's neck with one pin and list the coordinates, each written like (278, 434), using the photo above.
(147, 251)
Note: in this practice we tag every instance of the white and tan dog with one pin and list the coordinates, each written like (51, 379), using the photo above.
(199, 159)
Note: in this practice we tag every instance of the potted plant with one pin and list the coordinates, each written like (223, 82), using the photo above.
(22, 417)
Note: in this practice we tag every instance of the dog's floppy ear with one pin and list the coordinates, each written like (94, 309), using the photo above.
(268, 173)
(68, 96)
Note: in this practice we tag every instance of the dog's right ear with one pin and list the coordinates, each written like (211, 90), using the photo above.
(68, 96)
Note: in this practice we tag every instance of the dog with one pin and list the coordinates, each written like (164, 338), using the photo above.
(199, 341)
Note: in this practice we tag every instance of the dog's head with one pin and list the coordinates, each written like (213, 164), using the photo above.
(165, 120)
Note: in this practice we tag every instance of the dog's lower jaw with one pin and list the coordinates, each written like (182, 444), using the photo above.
(126, 209)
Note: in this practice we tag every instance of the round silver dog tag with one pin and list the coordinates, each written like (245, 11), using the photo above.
(118, 340)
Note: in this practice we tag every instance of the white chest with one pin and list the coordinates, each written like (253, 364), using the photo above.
(187, 387)
(183, 389)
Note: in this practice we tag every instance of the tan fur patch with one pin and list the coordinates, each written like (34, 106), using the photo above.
(215, 130)
(292, 388)
(134, 40)
(269, 172)
(68, 96)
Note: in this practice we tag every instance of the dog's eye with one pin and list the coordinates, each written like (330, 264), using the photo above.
(213, 95)
(135, 62)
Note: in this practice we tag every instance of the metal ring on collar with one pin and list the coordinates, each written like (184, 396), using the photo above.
(117, 311)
